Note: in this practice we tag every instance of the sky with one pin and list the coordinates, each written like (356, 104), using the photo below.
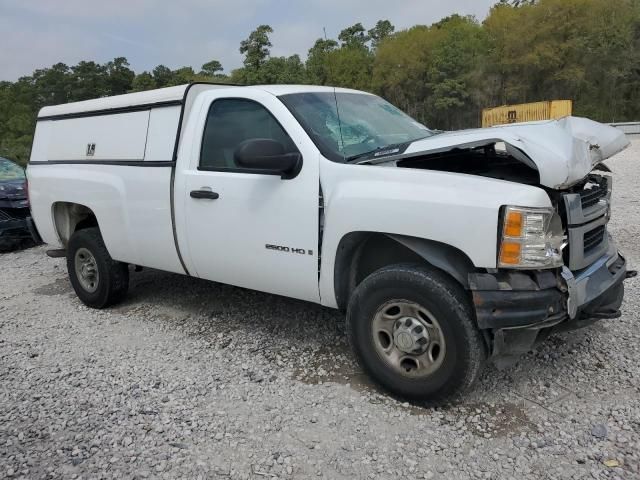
(39, 33)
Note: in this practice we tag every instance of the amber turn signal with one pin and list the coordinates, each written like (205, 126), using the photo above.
(513, 224)
(510, 253)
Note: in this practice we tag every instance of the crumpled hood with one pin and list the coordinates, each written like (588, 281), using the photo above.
(563, 151)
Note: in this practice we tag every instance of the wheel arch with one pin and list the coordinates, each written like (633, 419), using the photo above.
(69, 217)
(361, 253)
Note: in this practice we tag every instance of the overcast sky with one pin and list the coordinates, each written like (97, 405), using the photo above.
(39, 33)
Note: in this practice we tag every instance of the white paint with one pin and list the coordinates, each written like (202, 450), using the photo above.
(161, 136)
(225, 239)
(116, 137)
(458, 210)
(169, 94)
(130, 203)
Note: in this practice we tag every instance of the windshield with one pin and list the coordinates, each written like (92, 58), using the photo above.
(10, 170)
(367, 124)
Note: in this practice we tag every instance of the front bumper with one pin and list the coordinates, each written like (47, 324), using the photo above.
(519, 308)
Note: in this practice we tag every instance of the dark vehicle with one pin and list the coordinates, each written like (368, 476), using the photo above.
(16, 228)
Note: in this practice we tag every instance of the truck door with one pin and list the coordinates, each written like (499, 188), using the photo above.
(240, 226)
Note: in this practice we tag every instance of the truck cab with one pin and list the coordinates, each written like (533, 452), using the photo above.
(444, 249)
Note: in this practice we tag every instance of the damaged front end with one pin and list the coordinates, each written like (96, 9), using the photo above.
(573, 273)
(519, 308)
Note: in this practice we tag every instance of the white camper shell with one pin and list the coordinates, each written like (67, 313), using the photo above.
(123, 129)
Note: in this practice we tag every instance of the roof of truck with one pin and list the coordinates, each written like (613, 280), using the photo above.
(164, 96)
(160, 95)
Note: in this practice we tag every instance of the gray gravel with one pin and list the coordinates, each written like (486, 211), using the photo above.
(190, 379)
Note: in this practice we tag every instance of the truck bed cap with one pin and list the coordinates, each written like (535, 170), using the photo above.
(158, 96)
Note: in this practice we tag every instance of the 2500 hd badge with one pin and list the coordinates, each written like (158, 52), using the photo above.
(281, 248)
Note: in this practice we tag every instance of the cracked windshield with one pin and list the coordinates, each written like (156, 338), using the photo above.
(361, 124)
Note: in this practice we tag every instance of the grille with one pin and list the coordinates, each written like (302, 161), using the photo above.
(593, 194)
(586, 216)
(593, 238)
(4, 215)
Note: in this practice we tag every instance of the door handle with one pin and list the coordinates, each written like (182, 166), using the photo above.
(208, 194)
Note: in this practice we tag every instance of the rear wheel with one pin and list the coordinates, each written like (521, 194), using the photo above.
(98, 280)
(413, 332)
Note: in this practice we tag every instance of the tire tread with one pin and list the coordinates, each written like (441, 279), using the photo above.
(457, 300)
(115, 274)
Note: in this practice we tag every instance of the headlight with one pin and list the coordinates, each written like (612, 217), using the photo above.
(530, 238)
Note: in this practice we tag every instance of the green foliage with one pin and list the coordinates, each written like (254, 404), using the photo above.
(318, 66)
(587, 51)
(382, 30)
(351, 67)
(354, 36)
(143, 81)
(163, 76)
(211, 68)
(582, 50)
(119, 76)
(256, 47)
(431, 72)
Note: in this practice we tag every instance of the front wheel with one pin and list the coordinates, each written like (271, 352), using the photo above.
(98, 280)
(413, 332)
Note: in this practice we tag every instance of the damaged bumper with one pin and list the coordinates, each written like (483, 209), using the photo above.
(519, 308)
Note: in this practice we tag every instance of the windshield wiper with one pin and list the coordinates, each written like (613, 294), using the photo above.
(392, 148)
(387, 149)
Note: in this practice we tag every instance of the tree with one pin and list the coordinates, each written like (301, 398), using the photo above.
(256, 53)
(351, 67)
(53, 84)
(212, 68)
(282, 70)
(120, 76)
(354, 36)
(431, 72)
(89, 80)
(518, 3)
(163, 76)
(19, 102)
(183, 75)
(318, 66)
(256, 47)
(382, 30)
(143, 81)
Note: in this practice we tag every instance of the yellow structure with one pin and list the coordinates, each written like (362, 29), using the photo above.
(526, 112)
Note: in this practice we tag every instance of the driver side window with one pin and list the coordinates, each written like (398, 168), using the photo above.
(230, 122)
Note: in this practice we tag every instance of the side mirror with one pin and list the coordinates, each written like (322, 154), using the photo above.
(269, 156)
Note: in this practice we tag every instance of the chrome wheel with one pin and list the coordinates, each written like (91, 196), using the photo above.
(86, 270)
(408, 338)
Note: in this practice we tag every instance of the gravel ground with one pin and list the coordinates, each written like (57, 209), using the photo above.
(189, 379)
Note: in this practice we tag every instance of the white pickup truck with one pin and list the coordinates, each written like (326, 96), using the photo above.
(444, 248)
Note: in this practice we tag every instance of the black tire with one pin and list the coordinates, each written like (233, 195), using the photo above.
(113, 276)
(465, 354)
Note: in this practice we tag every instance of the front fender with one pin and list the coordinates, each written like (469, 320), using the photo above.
(453, 209)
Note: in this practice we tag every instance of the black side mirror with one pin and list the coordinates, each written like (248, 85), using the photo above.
(269, 156)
